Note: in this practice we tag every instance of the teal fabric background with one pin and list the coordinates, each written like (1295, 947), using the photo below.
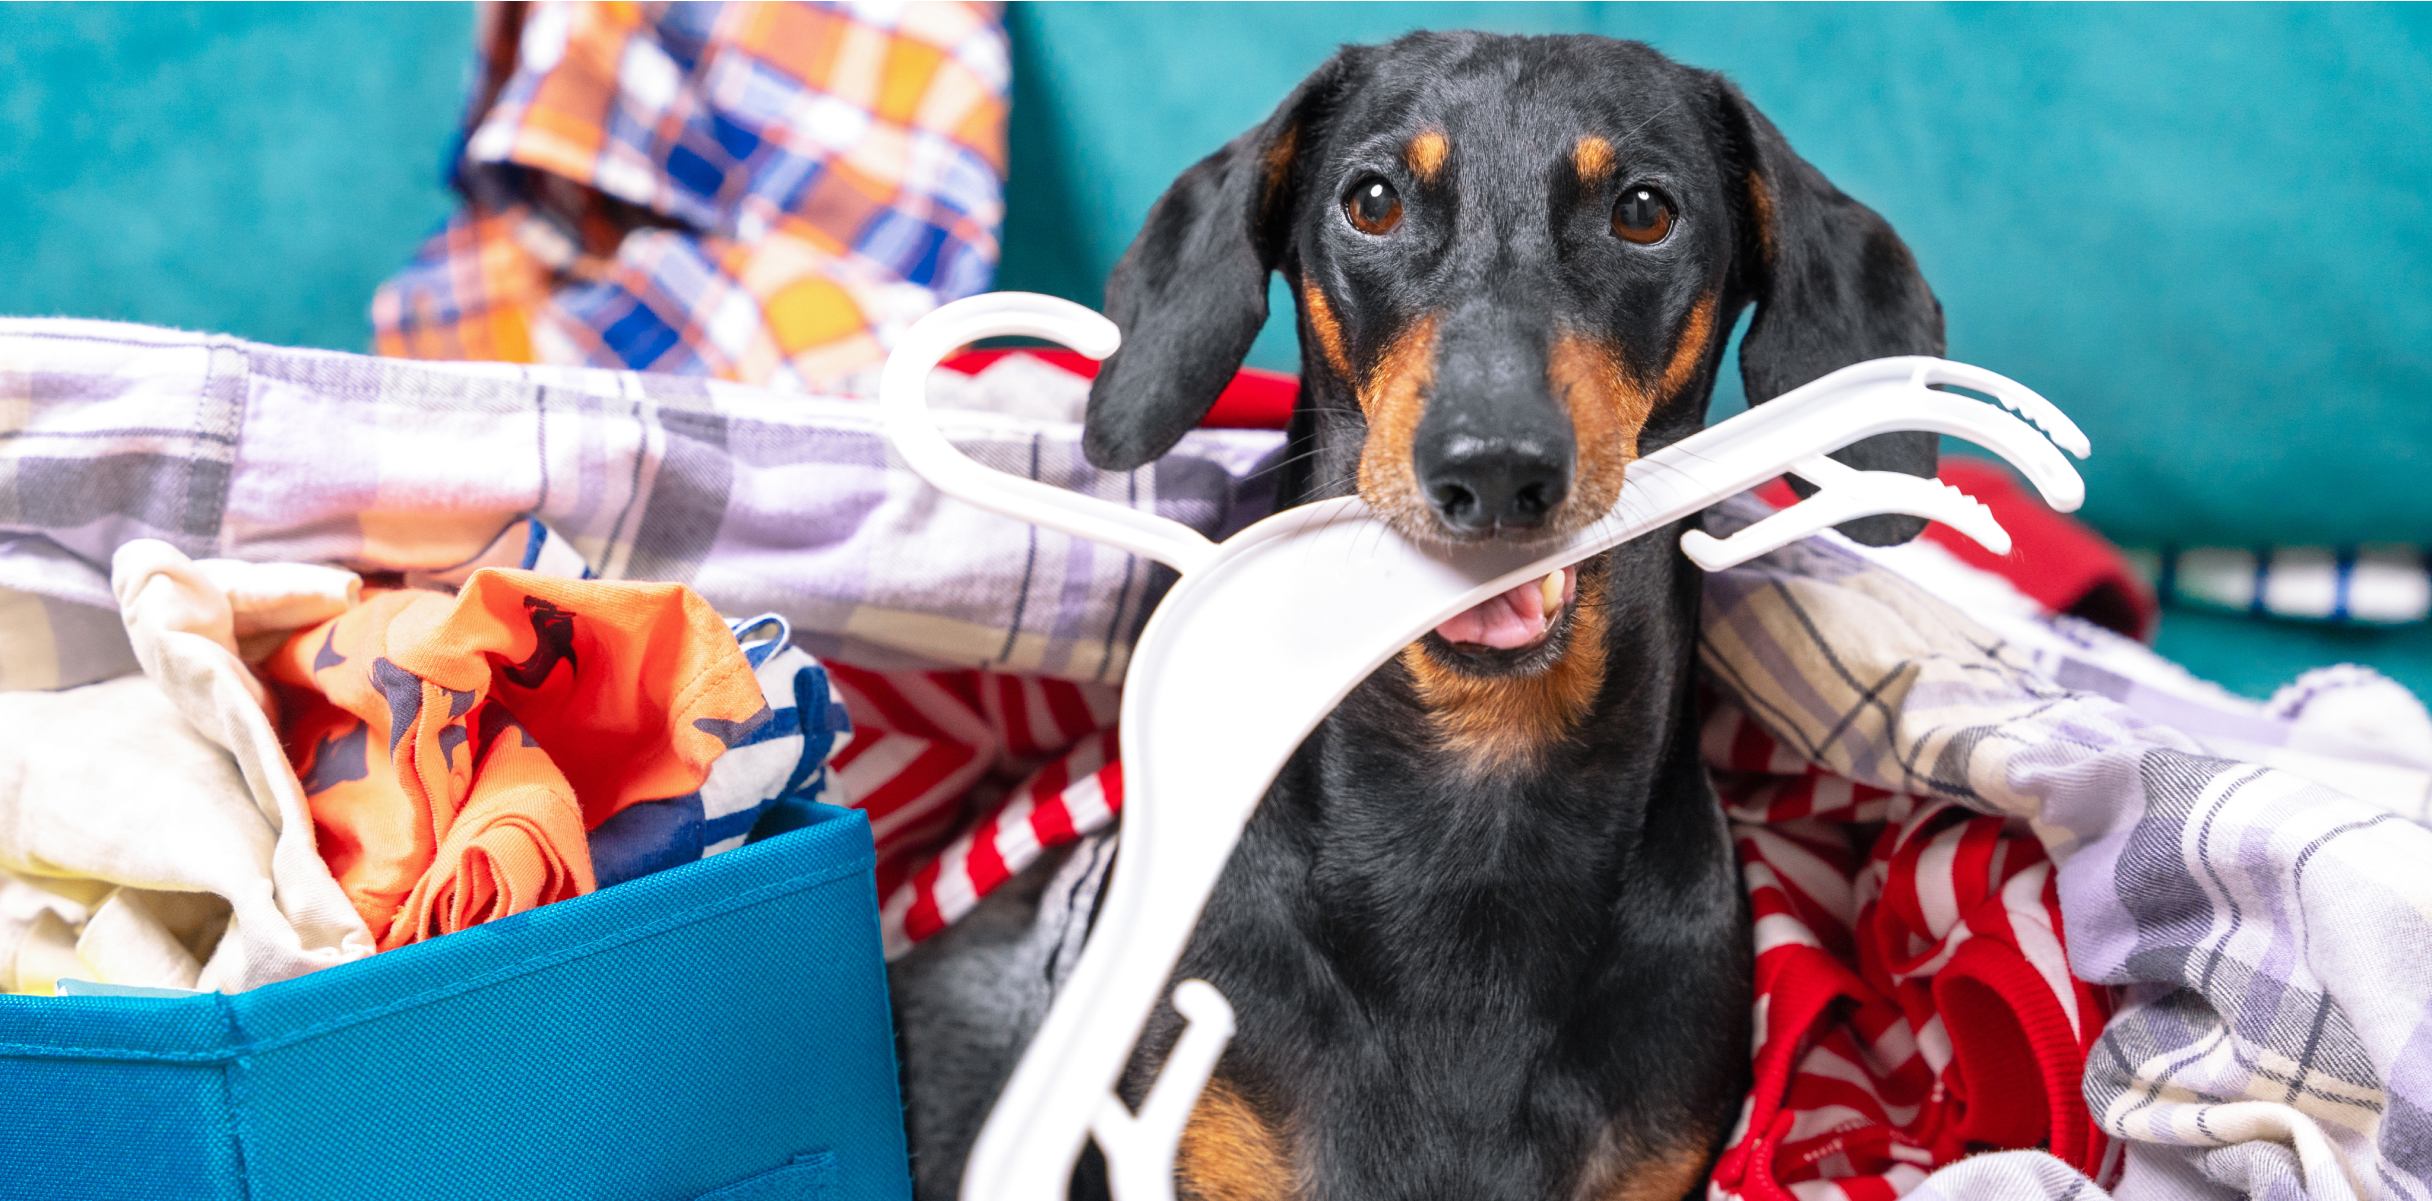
(254, 169)
(2205, 231)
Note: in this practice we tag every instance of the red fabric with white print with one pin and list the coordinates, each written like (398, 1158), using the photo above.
(1914, 999)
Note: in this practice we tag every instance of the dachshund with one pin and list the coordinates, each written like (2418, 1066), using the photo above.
(1485, 937)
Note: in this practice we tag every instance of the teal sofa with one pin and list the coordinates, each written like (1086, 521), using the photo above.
(2205, 232)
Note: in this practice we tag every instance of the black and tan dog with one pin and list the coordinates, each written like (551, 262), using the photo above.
(1485, 937)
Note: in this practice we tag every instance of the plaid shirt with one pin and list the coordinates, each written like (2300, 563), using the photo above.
(761, 192)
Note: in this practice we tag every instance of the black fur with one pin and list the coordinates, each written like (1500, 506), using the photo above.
(1454, 984)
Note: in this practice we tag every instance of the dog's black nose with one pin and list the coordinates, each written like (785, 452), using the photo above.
(1478, 484)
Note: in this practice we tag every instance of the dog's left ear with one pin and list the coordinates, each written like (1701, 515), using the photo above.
(1833, 285)
(1191, 292)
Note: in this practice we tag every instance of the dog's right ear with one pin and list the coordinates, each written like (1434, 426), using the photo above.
(1834, 286)
(1191, 293)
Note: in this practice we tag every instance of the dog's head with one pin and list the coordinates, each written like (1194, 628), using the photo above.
(1517, 261)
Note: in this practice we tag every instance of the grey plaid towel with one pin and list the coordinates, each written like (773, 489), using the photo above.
(762, 501)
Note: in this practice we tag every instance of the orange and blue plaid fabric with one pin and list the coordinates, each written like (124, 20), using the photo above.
(761, 192)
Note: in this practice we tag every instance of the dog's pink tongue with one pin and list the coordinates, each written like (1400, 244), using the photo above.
(1510, 619)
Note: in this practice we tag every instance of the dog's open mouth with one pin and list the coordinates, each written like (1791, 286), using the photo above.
(1518, 618)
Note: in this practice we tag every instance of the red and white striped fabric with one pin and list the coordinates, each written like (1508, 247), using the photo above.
(966, 777)
(1914, 999)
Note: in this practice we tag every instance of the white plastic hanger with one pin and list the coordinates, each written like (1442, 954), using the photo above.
(1268, 630)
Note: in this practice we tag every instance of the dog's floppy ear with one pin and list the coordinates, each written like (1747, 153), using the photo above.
(1833, 286)
(1191, 293)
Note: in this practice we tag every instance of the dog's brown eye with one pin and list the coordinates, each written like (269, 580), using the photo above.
(1374, 207)
(1642, 216)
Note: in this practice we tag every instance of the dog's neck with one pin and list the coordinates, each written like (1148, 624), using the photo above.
(1398, 912)
(1616, 705)
(1549, 929)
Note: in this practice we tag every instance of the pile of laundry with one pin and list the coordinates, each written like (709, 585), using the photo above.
(304, 771)
(2022, 886)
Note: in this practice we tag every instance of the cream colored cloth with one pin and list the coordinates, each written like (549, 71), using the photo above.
(160, 809)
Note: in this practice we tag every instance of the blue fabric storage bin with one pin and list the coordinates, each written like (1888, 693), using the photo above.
(717, 1030)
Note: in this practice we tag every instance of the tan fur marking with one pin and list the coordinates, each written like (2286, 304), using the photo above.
(1329, 330)
(1607, 409)
(1276, 167)
(1760, 203)
(1593, 158)
(1665, 1175)
(1501, 722)
(1689, 350)
(1426, 154)
(1609, 404)
(1394, 397)
(1229, 1153)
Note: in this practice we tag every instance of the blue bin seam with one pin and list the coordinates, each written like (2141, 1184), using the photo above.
(699, 913)
(239, 1093)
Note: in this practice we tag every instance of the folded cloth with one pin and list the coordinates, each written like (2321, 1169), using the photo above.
(47, 643)
(761, 502)
(157, 809)
(455, 750)
(767, 193)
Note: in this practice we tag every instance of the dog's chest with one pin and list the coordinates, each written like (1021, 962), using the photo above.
(1425, 995)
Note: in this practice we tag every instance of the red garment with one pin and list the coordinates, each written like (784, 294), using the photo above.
(967, 776)
(1914, 998)
(1256, 399)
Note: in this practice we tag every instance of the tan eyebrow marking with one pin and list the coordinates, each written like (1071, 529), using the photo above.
(1426, 154)
(1593, 158)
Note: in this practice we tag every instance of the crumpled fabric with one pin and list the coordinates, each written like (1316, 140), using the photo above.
(1914, 999)
(455, 750)
(769, 193)
(2267, 936)
(762, 502)
(151, 830)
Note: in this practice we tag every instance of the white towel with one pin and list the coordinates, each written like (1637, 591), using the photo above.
(173, 786)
